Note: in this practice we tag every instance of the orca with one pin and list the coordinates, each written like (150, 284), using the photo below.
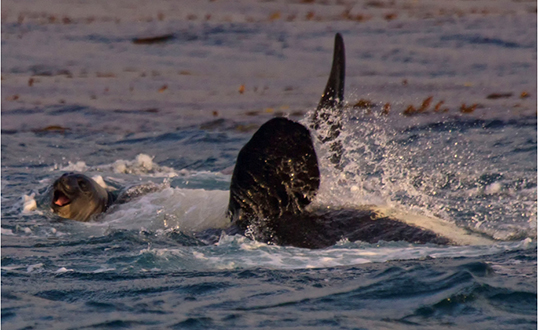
(277, 176)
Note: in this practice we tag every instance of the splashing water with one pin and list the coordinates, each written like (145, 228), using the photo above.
(473, 172)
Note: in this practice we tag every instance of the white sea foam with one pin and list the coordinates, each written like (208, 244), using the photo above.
(238, 252)
(493, 188)
(63, 270)
(78, 166)
(142, 165)
(100, 181)
(28, 203)
(34, 267)
(7, 232)
(103, 270)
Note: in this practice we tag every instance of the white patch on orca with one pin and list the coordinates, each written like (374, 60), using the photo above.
(446, 229)
(187, 210)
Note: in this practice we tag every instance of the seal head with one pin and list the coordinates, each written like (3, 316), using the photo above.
(78, 197)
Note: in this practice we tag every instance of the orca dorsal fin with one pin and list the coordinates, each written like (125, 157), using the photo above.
(328, 114)
(333, 95)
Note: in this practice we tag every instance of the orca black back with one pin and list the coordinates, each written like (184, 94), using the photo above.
(276, 174)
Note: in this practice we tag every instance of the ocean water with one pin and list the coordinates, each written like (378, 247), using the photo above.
(79, 95)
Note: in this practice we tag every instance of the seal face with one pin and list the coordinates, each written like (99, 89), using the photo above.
(78, 197)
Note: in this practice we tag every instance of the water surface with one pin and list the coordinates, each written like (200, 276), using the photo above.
(79, 95)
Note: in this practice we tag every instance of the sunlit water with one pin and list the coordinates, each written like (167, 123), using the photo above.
(143, 264)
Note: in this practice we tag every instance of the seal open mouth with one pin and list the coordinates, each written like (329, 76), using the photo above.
(60, 198)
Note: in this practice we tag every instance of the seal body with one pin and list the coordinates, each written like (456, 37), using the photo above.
(78, 197)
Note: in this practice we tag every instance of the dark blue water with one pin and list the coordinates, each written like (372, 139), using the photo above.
(98, 104)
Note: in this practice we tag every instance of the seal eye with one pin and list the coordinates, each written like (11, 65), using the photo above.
(82, 184)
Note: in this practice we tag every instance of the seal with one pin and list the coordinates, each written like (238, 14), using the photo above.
(78, 197)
